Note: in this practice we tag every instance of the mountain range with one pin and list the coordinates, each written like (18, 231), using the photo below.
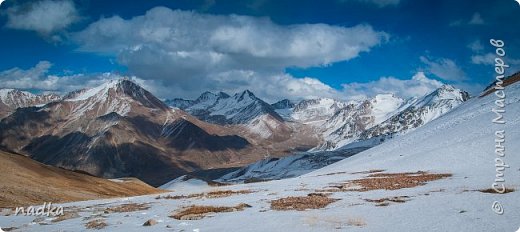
(119, 129)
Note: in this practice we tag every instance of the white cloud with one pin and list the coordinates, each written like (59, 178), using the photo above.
(274, 87)
(268, 87)
(487, 59)
(476, 46)
(379, 3)
(445, 69)
(44, 17)
(476, 19)
(186, 51)
(37, 78)
(418, 85)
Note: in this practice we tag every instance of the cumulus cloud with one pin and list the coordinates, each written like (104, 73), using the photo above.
(418, 85)
(187, 51)
(38, 78)
(444, 68)
(487, 59)
(274, 86)
(268, 87)
(44, 17)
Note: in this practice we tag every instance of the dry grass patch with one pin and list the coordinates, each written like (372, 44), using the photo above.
(390, 181)
(213, 194)
(491, 190)
(359, 222)
(196, 212)
(386, 201)
(125, 208)
(97, 224)
(311, 201)
(255, 180)
(369, 171)
(9, 229)
(226, 193)
(177, 197)
(332, 173)
(66, 216)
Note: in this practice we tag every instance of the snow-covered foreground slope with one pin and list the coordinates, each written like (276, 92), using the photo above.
(460, 143)
(185, 183)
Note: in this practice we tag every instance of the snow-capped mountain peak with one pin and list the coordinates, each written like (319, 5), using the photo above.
(246, 95)
(11, 99)
(451, 93)
(313, 110)
(442, 95)
(283, 104)
(221, 108)
(384, 105)
(386, 115)
(207, 96)
(118, 96)
(116, 90)
(17, 98)
(223, 95)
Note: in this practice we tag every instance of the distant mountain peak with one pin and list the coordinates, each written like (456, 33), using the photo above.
(247, 93)
(11, 99)
(206, 96)
(116, 93)
(283, 104)
(445, 92)
(221, 108)
(223, 95)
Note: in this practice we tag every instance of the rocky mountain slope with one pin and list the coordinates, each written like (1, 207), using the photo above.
(119, 129)
(253, 114)
(357, 127)
(287, 167)
(221, 108)
(11, 99)
(316, 110)
(27, 182)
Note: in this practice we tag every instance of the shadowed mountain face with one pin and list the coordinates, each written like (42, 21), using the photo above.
(184, 135)
(115, 130)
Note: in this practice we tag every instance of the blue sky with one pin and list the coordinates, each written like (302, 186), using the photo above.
(294, 49)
